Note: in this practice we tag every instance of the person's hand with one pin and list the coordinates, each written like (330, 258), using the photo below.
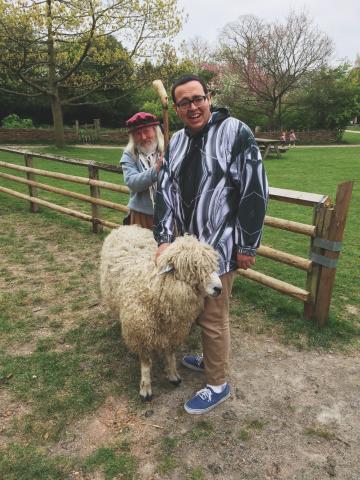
(245, 261)
(159, 163)
(160, 249)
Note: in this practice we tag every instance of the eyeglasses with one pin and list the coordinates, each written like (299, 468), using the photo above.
(197, 101)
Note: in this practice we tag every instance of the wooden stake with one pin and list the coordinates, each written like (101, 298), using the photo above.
(275, 284)
(34, 208)
(67, 193)
(160, 89)
(95, 193)
(334, 233)
(58, 208)
(290, 226)
(70, 178)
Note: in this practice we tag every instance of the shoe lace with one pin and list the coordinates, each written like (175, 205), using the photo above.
(205, 394)
(199, 360)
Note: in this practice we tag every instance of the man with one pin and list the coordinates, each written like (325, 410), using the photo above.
(213, 185)
(141, 163)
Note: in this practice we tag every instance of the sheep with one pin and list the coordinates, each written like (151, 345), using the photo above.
(156, 303)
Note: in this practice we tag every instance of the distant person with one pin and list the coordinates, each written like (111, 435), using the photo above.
(283, 138)
(141, 162)
(292, 138)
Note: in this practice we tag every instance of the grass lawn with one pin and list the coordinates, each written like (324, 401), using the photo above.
(352, 137)
(61, 358)
(317, 170)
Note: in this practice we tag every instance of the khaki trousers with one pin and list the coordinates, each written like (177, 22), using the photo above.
(215, 333)
(142, 219)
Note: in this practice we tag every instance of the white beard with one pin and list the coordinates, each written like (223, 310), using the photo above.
(148, 149)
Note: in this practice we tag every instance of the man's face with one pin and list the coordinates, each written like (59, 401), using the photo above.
(194, 117)
(145, 139)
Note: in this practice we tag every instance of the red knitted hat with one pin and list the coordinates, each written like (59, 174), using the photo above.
(141, 119)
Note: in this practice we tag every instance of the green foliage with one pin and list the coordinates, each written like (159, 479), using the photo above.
(202, 429)
(167, 464)
(195, 473)
(244, 435)
(14, 121)
(25, 462)
(66, 52)
(112, 463)
(320, 431)
(328, 100)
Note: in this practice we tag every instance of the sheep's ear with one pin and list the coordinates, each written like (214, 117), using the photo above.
(166, 269)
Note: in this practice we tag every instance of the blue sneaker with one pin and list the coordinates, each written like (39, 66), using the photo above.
(205, 400)
(194, 362)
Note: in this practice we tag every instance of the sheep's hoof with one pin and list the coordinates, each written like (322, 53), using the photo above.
(176, 382)
(146, 398)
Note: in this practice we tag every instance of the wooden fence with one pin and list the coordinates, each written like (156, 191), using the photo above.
(88, 132)
(325, 233)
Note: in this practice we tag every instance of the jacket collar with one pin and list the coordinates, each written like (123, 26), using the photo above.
(217, 116)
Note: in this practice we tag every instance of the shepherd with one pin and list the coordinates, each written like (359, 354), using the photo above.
(141, 163)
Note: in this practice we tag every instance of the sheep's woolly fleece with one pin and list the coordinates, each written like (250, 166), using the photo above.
(156, 311)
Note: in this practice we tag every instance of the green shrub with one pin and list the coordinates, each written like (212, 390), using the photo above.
(14, 121)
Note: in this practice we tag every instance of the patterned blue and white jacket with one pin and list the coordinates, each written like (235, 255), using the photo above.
(213, 185)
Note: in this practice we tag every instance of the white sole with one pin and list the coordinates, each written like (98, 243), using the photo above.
(200, 412)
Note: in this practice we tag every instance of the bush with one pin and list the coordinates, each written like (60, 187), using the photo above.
(14, 121)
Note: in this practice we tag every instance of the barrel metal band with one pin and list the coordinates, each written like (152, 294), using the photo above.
(324, 261)
(327, 244)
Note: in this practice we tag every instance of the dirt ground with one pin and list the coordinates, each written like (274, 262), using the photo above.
(292, 415)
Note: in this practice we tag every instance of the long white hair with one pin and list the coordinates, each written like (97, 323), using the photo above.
(131, 147)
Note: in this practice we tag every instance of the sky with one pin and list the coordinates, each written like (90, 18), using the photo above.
(339, 19)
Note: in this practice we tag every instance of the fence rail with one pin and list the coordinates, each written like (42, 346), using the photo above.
(325, 232)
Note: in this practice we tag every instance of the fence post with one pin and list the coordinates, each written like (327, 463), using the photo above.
(34, 207)
(312, 280)
(95, 192)
(329, 242)
(77, 130)
(97, 128)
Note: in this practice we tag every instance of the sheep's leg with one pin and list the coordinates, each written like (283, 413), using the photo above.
(170, 367)
(145, 382)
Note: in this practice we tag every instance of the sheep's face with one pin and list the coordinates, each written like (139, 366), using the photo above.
(192, 262)
(214, 286)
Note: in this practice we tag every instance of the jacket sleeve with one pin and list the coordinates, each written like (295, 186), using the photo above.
(164, 208)
(137, 181)
(247, 171)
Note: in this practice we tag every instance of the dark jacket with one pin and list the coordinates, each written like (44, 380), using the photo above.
(213, 185)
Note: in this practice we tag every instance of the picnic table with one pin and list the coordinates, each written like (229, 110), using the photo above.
(267, 145)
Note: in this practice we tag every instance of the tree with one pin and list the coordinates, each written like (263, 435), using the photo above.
(329, 99)
(66, 50)
(198, 51)
(167, 67)
(269, 60)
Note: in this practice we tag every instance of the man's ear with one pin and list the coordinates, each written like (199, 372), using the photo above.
(175, 108)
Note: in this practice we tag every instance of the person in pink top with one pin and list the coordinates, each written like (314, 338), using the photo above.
(292, 138)
(283, 138)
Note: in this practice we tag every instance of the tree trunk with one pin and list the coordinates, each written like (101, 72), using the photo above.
(58, 121)
(52, 83)
(272, 116)
(279, 122)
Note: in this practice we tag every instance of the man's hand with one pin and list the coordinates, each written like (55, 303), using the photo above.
(159, 163)
(160, 249)
(245, 261)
